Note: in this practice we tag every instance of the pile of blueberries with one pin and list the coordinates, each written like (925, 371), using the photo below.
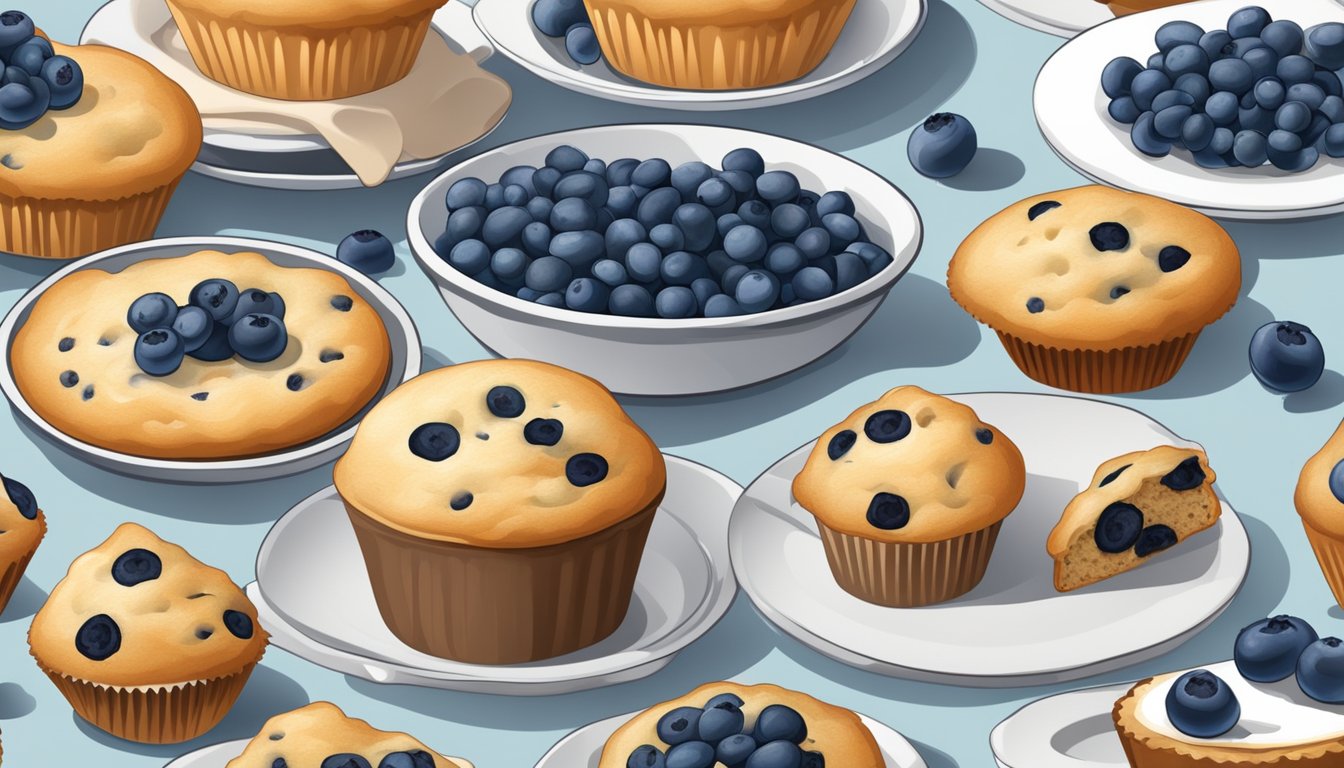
(644, 239)
(568, 19)
(35, 79)
(1259, 91)
(218, 322)
(1201, 704)
(702, 738)
(417, 758)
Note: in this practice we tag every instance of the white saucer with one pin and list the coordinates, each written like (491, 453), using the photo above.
(1071, 113)
(877, 32)
(1064, 731)
(405, 364)
(1014, 629)
(313, 596)
(1062, 18)
(583, 748)
(281, 161)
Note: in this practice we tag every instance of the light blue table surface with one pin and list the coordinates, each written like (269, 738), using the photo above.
(967, 60)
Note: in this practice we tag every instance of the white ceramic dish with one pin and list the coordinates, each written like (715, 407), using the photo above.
(405, 364)
(583, 748)
(1069, 730)
(314, 598)
(639, 356)
(1071, 113)
(1014, 629)
(279, 161)
(877, 32)
(1062, 18)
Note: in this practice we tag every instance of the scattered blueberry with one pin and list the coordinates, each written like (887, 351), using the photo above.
(1118, 527)
(543, 431)
(367, 250)
(435, 441)
(1107, 480)
(1201, 705)
(942, 146)
(585, 469)
(1153, 539)
(1109, 236)
(840, 444)
(887, 426)
(21, 497)
(1268, 650)
(1320, 670)
(1286, 356)
(136, 566)
(159, 352)
(98, 638)
(1186, 476)
(238, 623)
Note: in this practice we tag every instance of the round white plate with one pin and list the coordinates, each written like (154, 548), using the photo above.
(877, 32)
(1071, 113)
(1064, 731)
(1014, 629)
(655, 356)
(278, 161)
(1063, 18)
(405, 364)
(583, 748)
(314, 597)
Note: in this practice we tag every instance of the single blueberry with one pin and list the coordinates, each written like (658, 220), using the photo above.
(194, 326)
(505, 402)
(718, 723)
(1201, 705)
(1154, 538)
(69, 379)
(509, 264)
(1041, 208)
(1187, 59)
(756, 291)
(98, 638)
(259, 338)
(887, 426)
(545, 432)
(217, 297)
(585, 186)
(553, 17)
(15, 28)
(843, 229)
(652, 174)
(675, 302)
(647, 756)
(435, 441)
(136, 566)
(658, 207)
(66, 344)
(547, 274)
(682, 268)
(788, 220)
(578, 249)
(1110, 478)
(565, 158)
(888, 512)
(465, 193)
(572, 214)
(1295, 69)
(153, 310)
(687, 178)
(1109, 236)
(1325, 45)
(1176, 33)
(412, 759)
(679, 726)
(835, 201)
(255, 301)
(1268, 650)
(31, 55)
(776, 754)
(668, 237)
(238, 623)
(1248, 21)
(1186, 476)
(1286, 356)
(744, 159)
(216, 346)
(1118, 527)
(345, 760)
(776, 187)
(585, 469)
(1233, 75)
(734, 750)
(581, 45)
(294, 382)
(942, 146)
(743, 184)
(1320, 670)
(631, 301)
(984, 436)
(745, 243)
(849, 271)
(784, 259)
(812, 283)
(619, 172)
(697, 224)
(715, 192)
(461, 501)
(722, 305)
(1337, 481)
(65, 81)
(158, 352)
(704, 289)
(367, 250)
(504, 226)
(21, 497)
(586, 294)
(691, 754)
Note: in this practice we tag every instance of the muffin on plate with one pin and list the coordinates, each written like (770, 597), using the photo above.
(303, 50)
(734, 724)
(717, 45)
(93, 151)
(1137, 505)
(145, 641)
(909, 493)
(1319, 499)
(320, 735)
(22, 526)
(502, 508)
(1094, 289)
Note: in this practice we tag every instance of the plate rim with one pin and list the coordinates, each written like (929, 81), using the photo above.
(836, 651)
(1011, 12)
(707, 101)
(724, 588)
(996, 734)
(268, 466)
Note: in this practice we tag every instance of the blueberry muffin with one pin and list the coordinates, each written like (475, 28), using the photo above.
(1094, 289)
(909, 493)
(502, 508)
(734, 725)
(93, 142)
(1137, 505)
(1319, 499)
(320, 735)
(22, 526)
(146, 642)
(203, 356)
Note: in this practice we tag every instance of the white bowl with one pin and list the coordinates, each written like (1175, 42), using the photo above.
(652, 356)
(405, 363)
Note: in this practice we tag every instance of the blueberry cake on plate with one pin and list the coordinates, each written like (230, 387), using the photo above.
(22, 526)
(145, 641)
(320, 735)
(502, 508)
(1137, 505)
(733, 725)
(204, 356)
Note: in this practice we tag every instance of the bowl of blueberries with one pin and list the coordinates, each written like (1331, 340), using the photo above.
(664, 259)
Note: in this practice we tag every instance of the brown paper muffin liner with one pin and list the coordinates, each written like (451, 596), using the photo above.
(1330, 555)
(169, 715)
(12, 574)
(1127, 369)
(68, 229)
(711, 57)
(302, 63)
(904, 575)
(503, 606)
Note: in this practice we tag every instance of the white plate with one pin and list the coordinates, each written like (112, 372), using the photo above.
(1014, 629)
(653, 356)
(1063, 18)
(1069, 730)
(877, 32)
(280, 162)
(583, 748)
(1071, 113)
(314, 598)
(405, 364)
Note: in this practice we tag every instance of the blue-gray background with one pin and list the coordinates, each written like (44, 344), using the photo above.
(967, 60)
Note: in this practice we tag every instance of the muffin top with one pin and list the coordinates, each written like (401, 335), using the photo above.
(1319, 496)
(1096, 268)
(310, 736)
(308, 13)
(139, 129)
(912, 467)
(22, 524)
(138, 611)
(502, 454)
